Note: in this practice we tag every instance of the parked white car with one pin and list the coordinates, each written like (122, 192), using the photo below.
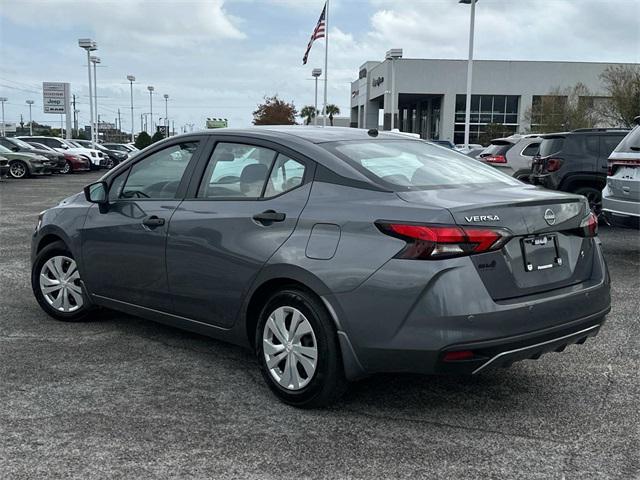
(512, 155)
(97, 158)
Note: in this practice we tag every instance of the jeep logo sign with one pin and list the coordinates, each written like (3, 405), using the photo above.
(482, 218)
(377, 81)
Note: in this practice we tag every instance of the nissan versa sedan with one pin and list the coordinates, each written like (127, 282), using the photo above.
(333, 253)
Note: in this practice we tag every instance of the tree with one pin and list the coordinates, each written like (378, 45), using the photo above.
(143, 140)
(331, 111)
(308, 112)
(275, 111)
(622, 85)
(80, 135)
(563, 109)
(157, 137)
(491, 131)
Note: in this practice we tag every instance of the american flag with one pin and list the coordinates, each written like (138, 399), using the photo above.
(318, 32)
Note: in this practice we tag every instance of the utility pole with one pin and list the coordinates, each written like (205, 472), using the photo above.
(75, 115)
(119, 121)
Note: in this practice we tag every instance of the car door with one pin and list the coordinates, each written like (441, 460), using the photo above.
(123, 246)
(243, 209)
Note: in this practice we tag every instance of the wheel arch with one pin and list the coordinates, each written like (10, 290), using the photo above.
(572, 182)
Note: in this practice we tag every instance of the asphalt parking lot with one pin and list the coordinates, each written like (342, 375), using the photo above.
(121, 397)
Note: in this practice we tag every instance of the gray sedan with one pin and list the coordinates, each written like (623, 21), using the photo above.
(333, 253)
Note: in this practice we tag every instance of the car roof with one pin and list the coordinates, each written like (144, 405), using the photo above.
(311, 134)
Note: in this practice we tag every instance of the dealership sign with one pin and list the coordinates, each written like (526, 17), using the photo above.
(55, 97)
(217, 123)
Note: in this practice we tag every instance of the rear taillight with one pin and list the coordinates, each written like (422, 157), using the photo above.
(552, 164)
(429, 242)
(588, 226)
(495, 159)
(614, 164)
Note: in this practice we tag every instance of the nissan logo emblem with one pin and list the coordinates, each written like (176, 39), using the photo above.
(549, 216)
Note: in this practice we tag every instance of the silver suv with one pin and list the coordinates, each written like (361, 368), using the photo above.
(512, 155)
(621, 196)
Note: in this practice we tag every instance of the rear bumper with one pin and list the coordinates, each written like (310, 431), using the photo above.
(408, 314)
(504, 352)
(616, 206)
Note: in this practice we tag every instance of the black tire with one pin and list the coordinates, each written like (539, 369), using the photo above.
(523, 176)
(593, 195)
(328, 382)
(18, 169)
(53, 250)
(68, 168)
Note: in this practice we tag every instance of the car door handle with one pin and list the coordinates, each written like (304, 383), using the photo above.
(269, 216)
(153, 221)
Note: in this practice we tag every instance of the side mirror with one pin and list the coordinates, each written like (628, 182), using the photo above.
(97, 193)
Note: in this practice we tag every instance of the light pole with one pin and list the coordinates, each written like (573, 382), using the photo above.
(150, 88)
(131, 79)
(30, 102)
(2, 100)
(90, 46)
(96, 61)
(166, 114)
(316, 72)
(393, 55)
(467, 112)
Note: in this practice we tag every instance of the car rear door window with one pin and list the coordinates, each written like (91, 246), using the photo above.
(236, 171)
(608, 143)
(286, 175)
(158, 176)
(549, 146)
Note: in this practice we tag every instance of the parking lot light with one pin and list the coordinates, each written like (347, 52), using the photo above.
(90, 46)
(166, 114)
(131, 79)
(467, 112)
(2, 100)
(30, 102)
(315, 73)
(150, 88)
(95, 61)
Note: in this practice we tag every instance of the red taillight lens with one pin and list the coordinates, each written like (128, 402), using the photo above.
(457, 356)
(589, 226)
(426, 242)
(495, 159)
(553, 164)
(614, 164)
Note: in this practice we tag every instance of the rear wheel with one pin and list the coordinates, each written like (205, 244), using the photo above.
(297, 348)
(18, 169)
(57, 285)
(593, 195)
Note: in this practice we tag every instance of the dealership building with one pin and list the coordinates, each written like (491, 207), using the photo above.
(430, 94)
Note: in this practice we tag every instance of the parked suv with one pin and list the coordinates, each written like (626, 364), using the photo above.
(621, 196)
(576, 161)
(513, 155)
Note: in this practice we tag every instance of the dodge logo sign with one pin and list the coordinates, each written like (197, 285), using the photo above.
(549, 216)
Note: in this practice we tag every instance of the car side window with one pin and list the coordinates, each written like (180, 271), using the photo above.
(158, 175)
(591, 145)
(286, 175)
(531, 150)
(608, 143)
(116, 186)
(236, 171)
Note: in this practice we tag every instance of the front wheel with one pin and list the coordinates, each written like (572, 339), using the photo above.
(57, 285)
(298, 352)
(18, 169)
(67, 167)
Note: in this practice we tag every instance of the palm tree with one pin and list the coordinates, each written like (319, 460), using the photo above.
(331, 111)
(308, 112)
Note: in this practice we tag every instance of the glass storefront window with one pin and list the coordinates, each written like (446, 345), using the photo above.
(486, 109)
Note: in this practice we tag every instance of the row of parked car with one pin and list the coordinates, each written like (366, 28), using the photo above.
(600, 163)
(22, 157)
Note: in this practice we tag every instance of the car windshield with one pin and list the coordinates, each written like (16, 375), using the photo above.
(630, 143)
(496, 149)
(416, 164)
(4, 150)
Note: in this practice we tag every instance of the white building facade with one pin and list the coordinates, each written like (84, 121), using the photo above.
(430, 94)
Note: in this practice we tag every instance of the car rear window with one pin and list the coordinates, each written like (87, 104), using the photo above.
(549, 146)
(408, 165)
(630, 143)
(496, 149)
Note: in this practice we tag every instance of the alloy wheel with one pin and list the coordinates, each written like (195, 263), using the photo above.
(17, 170)
(60, 284)
(66, 168)
(290, 348)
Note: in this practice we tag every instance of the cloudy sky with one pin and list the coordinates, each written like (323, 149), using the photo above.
(218, 58)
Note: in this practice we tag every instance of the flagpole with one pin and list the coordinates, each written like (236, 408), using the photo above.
(326, 59)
